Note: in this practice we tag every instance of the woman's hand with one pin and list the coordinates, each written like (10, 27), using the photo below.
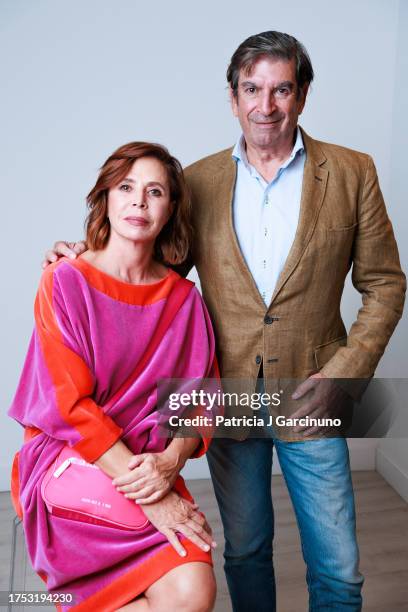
(63, 249)
(151, 478)
(173, 513)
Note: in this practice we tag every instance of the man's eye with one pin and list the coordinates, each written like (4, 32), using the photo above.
(251, 90)
(124, 187)
(282, 91)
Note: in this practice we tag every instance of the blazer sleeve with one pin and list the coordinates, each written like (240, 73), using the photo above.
(377, 275)
(56, 387)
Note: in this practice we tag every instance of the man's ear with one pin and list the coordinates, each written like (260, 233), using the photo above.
(233, 101)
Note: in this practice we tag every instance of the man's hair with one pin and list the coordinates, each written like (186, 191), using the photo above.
(276, 45)
(173, 242)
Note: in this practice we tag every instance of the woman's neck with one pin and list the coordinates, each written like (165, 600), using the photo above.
(128, 261)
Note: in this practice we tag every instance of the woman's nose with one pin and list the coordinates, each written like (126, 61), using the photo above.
(139, 203)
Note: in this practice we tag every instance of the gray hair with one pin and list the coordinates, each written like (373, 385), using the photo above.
(270, 44)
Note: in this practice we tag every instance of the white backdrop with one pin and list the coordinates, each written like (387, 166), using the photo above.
(81, 78)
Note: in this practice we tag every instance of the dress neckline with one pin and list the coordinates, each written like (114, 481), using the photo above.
(141, 294)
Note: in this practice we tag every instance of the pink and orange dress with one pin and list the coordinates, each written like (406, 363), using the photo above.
(91, 330)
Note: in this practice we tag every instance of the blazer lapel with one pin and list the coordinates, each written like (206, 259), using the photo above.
(223, 190)
(313, 190)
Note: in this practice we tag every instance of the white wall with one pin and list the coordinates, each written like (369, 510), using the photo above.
(392, 454)
(81, 78)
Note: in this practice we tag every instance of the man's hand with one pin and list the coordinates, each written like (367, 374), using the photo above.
(151, 478)
(64, 249)
(327, 402)
(172, 514)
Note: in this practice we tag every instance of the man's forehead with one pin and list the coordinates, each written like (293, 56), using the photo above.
(269, 68)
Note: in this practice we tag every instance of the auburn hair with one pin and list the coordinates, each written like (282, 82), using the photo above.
(173, 243)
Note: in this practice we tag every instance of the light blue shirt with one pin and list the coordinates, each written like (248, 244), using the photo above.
(266, 215)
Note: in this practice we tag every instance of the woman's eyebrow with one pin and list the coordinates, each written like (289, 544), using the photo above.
(149, 184)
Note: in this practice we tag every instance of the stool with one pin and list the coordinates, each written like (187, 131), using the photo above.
(18, 563)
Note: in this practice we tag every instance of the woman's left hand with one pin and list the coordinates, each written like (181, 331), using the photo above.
(152, 476)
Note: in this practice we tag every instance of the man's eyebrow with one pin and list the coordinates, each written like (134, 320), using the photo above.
(288, 84)
(248, 84)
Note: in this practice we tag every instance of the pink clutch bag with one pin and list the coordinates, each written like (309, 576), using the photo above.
(75, 489)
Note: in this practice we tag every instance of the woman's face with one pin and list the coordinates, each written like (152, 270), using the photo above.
(139, 206)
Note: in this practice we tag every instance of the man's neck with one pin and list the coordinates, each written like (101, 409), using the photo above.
(268, 160)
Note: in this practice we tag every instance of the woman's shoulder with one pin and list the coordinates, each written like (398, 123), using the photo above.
(62, 274)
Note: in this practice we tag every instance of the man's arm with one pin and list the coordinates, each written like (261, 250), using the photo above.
(377, 275)
(73, 249)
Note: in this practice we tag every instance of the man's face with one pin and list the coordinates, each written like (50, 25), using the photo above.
(268, 103)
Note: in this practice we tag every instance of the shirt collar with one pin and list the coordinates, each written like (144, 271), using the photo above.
(239, 153)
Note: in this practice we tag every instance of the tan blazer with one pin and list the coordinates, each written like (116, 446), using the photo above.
(343, 222)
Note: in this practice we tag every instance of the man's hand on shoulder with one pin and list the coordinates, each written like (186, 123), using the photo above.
(63, 249)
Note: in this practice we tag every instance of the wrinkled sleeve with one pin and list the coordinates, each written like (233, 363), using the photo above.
(56, 386)
(377, 275)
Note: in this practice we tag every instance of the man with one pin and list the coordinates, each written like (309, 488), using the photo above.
(279, 221)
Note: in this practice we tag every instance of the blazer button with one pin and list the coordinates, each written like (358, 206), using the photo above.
(268, 320)
(258, 359)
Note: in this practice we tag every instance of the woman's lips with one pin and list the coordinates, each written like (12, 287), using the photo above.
(138, 221)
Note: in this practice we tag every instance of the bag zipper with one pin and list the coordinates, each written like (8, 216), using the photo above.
(65, 464)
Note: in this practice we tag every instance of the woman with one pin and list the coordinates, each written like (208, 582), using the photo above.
(95, 320)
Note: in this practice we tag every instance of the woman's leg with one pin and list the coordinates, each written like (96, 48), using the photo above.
(187, 588)
(137, 605)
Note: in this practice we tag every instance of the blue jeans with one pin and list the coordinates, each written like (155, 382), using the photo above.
(317, 474)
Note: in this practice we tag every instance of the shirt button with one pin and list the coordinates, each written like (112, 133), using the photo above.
(258, 359)
(268, 320)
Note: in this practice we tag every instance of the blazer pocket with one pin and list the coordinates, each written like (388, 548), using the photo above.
(324, 352)
(345, 228)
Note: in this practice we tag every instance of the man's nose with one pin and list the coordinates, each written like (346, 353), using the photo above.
(267, 103)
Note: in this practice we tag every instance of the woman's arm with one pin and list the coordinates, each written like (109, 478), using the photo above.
(147, 477)
(168, 512)
(55, 393)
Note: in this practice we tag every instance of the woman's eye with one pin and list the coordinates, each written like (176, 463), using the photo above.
(155, 192)
(124, 187)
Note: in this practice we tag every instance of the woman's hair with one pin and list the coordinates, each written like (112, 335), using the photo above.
(173, 242)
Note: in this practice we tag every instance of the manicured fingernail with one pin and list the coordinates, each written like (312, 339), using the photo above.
(72, 255)
(214, 544)
(183, 553)
(206, 547)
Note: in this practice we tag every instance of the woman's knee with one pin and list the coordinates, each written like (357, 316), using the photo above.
(188, 588)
